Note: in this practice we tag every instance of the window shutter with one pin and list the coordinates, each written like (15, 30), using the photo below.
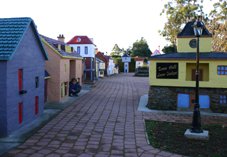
(20, 79)
(36, 105)
(20, 112)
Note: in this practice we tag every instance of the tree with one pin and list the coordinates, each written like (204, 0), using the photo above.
(116, 51)
(140, 48)
(177, 13)
(170, 49)
(217, 25)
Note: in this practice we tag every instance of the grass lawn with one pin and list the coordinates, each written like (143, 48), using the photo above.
(170, 137)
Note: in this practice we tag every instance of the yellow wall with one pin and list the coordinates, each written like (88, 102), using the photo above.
(215, 80)
(183, 45)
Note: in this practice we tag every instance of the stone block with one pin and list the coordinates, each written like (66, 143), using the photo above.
(197, 136)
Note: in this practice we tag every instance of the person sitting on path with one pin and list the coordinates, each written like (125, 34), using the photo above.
(74, 87)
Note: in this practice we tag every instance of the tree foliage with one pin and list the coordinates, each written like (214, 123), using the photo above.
(140, 48)
(217, 25)
(170, 49)
(116, 51)
(177, 13)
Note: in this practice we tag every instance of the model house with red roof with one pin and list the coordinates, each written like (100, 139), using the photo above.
(110, 67)
(100, 68)
(102, 57)
(139, 62)
(86, 48)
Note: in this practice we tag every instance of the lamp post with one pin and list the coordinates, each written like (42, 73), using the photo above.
(196, 121)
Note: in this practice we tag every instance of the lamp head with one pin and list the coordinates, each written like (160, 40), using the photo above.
(198, 28)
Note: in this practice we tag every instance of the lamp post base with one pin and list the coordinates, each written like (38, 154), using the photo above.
(204, 135)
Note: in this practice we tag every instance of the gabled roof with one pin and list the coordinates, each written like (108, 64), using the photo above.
(12, 31)
(101, 56)
(125, 55)
(54, 44)
(100, 60)
(156, 52)
(191, 56)
(107, 58)
(80, 40)
(188, 31)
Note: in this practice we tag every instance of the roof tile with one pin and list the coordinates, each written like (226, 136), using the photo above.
(80, 40)
(53, 42)
(188, 30)
(11, 32)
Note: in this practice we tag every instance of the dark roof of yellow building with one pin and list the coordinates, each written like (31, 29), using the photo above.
(188, 31)
(191, 56)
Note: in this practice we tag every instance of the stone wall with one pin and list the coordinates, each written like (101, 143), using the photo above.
(165, 98)
(162, 98)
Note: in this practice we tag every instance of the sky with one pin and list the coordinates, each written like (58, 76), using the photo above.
(108, 22)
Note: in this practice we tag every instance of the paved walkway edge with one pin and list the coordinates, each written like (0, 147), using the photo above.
(143, 108)
(20, 136)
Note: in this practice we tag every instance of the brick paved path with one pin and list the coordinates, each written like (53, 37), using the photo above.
(104, 122)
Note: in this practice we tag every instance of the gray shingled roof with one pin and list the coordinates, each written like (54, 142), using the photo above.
(54, 43)
(188, 30)
(191, 56)
(125, 55)
(11, 33)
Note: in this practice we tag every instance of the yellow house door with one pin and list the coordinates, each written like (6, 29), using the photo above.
(62, 89)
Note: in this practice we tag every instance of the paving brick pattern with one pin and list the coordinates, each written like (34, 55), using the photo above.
(104, 122)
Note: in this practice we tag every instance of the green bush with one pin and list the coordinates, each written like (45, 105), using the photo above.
(218, 108)
(132, 65)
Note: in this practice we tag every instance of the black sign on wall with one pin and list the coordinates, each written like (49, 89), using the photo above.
(167, 70)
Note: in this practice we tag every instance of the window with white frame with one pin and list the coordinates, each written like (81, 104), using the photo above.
(222, 70)
(223, 100)
(86, 50)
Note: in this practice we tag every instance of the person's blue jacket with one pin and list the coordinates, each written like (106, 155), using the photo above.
(76, 87)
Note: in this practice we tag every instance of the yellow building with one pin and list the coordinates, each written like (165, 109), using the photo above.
(172, 76)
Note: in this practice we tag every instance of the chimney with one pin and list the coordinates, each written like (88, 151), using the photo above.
(61, 38)
(96, 50)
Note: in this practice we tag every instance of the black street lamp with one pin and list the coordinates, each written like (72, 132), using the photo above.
(196, 121)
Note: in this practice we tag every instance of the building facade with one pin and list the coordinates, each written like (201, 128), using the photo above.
(64, 64)
(22, 72)
(86, 48)
(111, 66)
(101, 64)
(172, 76)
